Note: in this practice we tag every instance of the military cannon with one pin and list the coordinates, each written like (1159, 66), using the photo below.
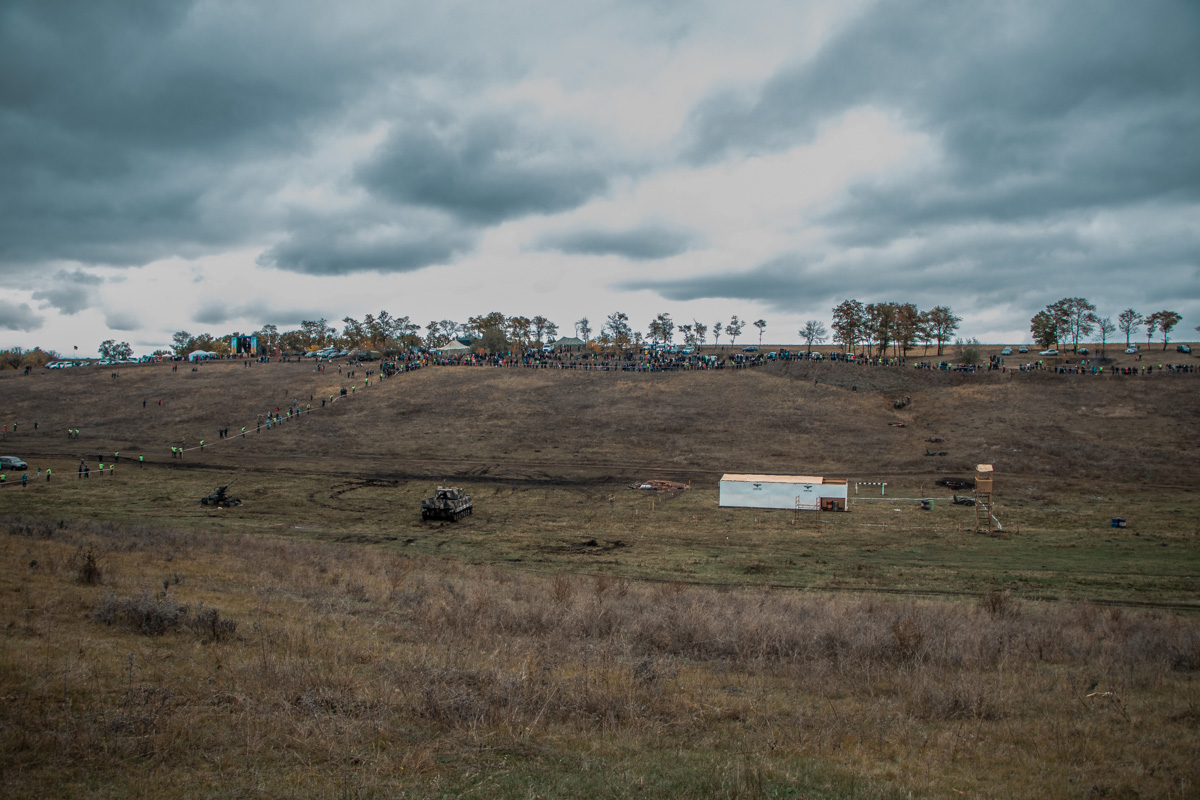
(447, 503)
(220, 498)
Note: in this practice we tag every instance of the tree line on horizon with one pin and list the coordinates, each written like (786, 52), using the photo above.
(878, 328)
(1073, 318)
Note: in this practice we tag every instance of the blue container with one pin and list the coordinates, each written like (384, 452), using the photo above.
(1118, 522)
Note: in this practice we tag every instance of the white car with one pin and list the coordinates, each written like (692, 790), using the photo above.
(1050, 352)
(1129, 351)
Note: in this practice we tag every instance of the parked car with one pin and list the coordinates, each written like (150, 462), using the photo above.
(1131, 350)
(1006, 351)
(1183, 348)
(1083, 351)
(750, 349)
(12, 462)
(1022, 349)
(1050, 352)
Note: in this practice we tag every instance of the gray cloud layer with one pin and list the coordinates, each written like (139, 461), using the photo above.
(641, 243)
(19, 317)
(484, 170)
(1063, 136)
(1047, 115)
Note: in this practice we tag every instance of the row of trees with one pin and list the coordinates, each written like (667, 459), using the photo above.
(898, 326)
(886, 327)
(492, 332)
(1074, 318)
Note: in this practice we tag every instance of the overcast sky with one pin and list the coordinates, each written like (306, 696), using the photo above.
(213, 166)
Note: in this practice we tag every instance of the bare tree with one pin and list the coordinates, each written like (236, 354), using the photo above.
(616, 327)
(1128, 321)
(734, 329)
(583, 329)
(761, 324)
(1107, 328)
(701, 331)
(813, 331)
(717, 328)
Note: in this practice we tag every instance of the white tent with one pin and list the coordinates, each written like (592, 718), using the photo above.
(201, 355)
(455, 348)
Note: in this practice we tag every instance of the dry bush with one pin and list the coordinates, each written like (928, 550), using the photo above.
(87, 568)
(147, 613)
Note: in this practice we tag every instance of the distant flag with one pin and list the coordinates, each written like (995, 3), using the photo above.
(76, 347)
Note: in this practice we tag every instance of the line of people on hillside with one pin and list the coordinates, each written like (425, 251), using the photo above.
(604, 362)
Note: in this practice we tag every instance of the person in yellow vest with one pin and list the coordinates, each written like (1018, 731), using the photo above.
(47, 474)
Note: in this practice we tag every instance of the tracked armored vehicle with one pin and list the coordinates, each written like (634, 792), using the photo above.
(447, 503)
(220, 498)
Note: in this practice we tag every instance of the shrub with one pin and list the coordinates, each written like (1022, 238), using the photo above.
(153, 615)
(89, 571)
(208, 624)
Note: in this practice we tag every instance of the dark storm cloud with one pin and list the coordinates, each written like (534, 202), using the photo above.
(485, 170)
(122, 320)
(641, 243)
(70, 293)
(1039, 107)
(215, 312)
(359, 243)
(19, 317)
(123, 125)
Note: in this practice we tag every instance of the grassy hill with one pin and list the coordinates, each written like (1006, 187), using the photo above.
(575, 638)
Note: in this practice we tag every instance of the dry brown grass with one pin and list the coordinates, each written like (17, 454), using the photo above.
(795, 417)
(358, 673)
(205, 653)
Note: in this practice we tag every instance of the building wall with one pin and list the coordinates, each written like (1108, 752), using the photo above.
(766, 494)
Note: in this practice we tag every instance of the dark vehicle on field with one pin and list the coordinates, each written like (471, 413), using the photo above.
(220, 498)
(12, 462)
(447, 503)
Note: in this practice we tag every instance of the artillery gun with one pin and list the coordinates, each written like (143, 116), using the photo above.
(220, 497)
(447, 503)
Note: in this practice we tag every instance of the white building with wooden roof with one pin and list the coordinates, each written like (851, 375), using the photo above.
(805, 492)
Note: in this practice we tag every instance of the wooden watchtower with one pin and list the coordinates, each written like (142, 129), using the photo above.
(985, 516)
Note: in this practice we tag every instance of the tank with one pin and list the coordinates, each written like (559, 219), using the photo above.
(447, 503)
(220, 498)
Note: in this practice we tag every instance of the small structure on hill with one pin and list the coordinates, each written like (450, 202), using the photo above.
(985, 515)
(797, 492)
(568, 343)
(454, 347)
